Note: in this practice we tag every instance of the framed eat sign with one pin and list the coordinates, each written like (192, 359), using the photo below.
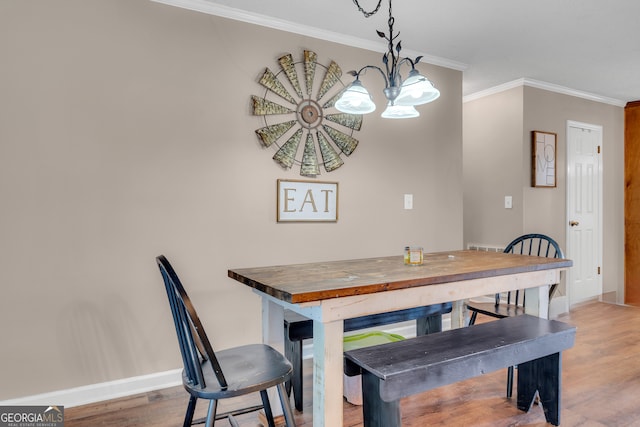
(307, 201)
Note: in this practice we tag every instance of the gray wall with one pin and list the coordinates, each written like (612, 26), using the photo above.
(126, 132)
(497, 162)
(492, 162)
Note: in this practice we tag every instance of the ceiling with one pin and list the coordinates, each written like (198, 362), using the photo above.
(586, 46)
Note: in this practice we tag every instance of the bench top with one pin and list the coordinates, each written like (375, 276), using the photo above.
(476, 349)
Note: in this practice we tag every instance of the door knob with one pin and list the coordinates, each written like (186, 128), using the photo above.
(573, 223)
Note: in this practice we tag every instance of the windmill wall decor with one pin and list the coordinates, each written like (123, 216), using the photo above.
(292, 115)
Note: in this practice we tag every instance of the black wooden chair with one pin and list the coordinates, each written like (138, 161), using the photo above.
(528, 244)
(228, 373)
(298, 328)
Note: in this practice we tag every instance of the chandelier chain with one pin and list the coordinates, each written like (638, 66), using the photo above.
(373, 12)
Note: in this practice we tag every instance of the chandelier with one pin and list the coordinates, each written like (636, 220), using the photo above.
(402, 95)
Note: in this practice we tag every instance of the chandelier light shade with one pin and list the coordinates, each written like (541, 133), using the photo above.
(416, 90)
(355, 100)
(402, 95)
(399, 111)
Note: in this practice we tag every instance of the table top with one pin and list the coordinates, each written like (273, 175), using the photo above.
(298, 283)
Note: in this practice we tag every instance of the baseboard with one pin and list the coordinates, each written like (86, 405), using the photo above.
(102, 391)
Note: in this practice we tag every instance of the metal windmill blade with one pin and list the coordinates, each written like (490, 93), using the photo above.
(310, 165)
(270, 134)
(263, 107)
(353, 121)
(330, 158)
(345, 142)
(310, 60)
(331, 77)
(289, 68)
(271, 82)
(286, 155)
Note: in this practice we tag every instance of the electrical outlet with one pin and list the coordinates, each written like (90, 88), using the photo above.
(408, 201)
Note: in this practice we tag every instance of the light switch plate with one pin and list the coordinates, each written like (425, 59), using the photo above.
(508, 202)
(408, 201)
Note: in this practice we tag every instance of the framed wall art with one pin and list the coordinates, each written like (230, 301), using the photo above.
(543, 165)
(307, 129)
(307, 201)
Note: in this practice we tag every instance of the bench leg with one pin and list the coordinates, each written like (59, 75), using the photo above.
(429, 325)
(543, 376)
(376, 412)
(293, 353)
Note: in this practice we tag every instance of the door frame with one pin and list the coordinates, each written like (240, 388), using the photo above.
(599, 184)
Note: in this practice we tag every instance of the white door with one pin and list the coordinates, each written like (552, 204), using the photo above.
(584, 211)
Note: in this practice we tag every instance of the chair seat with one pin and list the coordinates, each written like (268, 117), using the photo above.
(500, 311)
(248, 369)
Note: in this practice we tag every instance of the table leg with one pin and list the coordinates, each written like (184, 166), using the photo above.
(327, 374)
(458, 317)
(537, 301)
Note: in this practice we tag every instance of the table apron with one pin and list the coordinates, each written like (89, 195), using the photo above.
(331, 310)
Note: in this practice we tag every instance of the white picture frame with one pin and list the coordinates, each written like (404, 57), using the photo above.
(307, 201)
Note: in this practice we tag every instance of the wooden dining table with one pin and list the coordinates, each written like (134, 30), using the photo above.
(329, 292)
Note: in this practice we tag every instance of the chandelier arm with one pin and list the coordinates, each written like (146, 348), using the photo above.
(409, 60)
(402, 61)
(366, 67)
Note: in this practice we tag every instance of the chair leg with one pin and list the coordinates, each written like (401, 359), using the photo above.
(267, 408)
(191, 408)
(286, 406)
(211, 414)
(293, 353)
(509, 382)
(288, 353)
(472, 320)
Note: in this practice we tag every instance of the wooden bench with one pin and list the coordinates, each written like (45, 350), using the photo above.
(298, 328)
(396, 370)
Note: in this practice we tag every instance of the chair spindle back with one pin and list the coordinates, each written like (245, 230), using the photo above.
(536, 245)
(195, 348)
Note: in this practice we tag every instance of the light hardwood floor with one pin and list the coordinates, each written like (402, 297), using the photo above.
(601, 387)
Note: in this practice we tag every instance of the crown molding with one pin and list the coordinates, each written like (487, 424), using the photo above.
(545, 86)
(208, 7)
(211, 8)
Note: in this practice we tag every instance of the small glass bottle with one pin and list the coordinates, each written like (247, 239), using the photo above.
(413, 255)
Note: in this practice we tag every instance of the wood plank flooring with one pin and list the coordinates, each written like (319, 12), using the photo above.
(601, 387)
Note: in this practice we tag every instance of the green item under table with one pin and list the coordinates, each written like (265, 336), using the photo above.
(367, 339)
(352, 385)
